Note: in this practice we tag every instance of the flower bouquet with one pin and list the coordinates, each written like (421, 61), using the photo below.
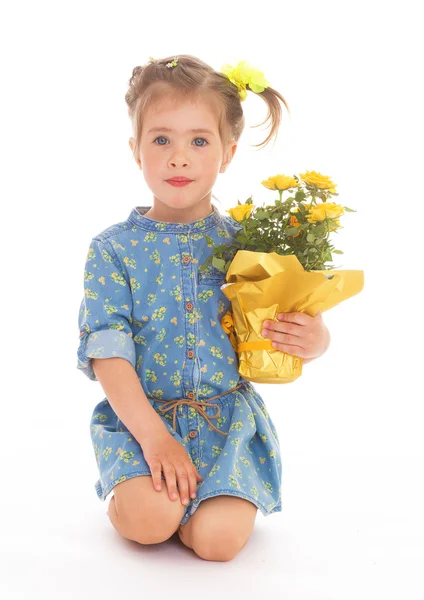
(278, 262)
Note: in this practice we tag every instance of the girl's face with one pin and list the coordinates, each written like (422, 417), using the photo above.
(171, 148)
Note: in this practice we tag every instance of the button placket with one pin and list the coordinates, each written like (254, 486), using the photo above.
(188, 292)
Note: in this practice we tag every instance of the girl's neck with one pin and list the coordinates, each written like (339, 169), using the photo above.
(165, 214)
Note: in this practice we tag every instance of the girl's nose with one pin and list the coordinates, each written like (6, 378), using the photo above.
(178, 159)
(178, 163)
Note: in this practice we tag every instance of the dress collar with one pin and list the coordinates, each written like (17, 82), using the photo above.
(138, 219)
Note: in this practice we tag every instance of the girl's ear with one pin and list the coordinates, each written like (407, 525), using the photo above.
(131, 142)
(231, 150)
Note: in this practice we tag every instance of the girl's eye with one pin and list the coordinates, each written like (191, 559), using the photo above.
(161, 137)
(203, 140)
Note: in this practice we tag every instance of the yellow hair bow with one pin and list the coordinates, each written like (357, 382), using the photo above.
(243, 75)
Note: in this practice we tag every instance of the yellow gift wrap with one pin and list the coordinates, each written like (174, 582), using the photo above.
(262, 285)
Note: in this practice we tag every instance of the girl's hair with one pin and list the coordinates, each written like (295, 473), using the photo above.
(194, 79)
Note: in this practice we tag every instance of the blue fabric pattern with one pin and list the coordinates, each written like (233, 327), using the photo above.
(145, 301)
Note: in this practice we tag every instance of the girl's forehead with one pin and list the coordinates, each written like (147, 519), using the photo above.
(166, 106)
(192, 111)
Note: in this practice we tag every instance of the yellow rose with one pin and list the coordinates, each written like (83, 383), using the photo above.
(238, 212)
(280, 182)
(321, 181)
(318, 211)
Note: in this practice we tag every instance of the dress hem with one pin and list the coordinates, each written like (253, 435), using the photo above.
(103, 493)
(231, 492)
(191, 509)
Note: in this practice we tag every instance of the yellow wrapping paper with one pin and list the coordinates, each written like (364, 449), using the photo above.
(261, 285)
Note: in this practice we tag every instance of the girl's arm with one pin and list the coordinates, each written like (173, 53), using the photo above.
(122, 387)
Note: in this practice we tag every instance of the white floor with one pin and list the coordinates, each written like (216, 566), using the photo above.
(351, 528)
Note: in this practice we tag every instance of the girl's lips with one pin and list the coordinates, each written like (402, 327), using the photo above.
(177, 183)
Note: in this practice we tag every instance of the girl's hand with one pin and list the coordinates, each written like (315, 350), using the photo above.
(298, 334)
(164, 453)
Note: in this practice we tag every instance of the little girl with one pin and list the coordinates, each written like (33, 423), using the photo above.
(176, 408)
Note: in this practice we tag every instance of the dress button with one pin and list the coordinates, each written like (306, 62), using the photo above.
(192, 434)
(189, 306)
(190, 395)
(190, 353)
(186, 259)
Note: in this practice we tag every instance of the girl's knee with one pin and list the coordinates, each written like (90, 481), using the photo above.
(140, 513)
(218, 549)
(222, 527)
(220, 543)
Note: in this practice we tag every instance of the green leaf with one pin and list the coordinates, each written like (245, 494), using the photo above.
(209, 240)
(291, 230)
(218, 263)
(338, 252)
(349, 209)
(310, 237)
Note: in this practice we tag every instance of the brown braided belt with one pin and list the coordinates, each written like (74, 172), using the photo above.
(198, 405)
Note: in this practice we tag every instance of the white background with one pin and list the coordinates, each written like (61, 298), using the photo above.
(351, 426)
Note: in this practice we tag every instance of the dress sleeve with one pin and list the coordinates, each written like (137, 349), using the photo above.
(105, 312)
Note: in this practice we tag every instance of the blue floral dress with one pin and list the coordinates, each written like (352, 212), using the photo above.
(146, 302)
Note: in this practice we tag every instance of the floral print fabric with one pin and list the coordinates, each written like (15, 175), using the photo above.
(145, 301)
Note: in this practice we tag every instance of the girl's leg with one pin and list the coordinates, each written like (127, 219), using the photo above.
(140, 513)
(220, 527)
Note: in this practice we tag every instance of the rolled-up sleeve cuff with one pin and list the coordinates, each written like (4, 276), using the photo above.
(104, 344)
